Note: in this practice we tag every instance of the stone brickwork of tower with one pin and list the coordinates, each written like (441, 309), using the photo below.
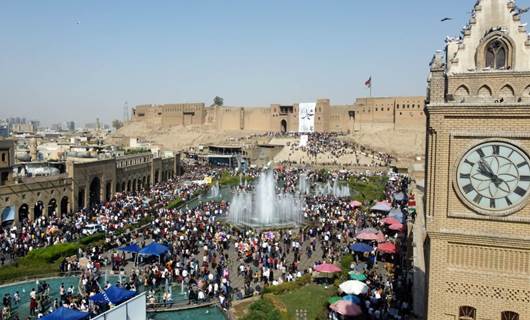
(478, 170)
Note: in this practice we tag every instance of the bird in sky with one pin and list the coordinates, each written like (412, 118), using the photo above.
(520, 11)
(77, 22)
(446, 19)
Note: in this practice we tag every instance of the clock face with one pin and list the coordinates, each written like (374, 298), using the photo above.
(494, 177)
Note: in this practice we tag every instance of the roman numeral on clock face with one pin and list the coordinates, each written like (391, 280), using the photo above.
(477, 199)
(524, 178)
(520, 191)
(480, 153)
(467, 188)
(492, 203)
(496, 149)
(508, 202)
(465, 175)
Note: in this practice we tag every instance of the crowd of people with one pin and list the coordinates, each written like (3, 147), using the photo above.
(208, 258)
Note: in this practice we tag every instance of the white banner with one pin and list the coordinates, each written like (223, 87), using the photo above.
(304, 139)
(306, 117)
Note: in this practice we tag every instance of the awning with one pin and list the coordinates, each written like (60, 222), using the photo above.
(8, 214)
(154, 249)
(66, 314)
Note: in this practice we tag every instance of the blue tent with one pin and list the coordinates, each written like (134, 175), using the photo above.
(132, 248)
(361, 247)
(66, 314)
(114, 294)
(154, 249)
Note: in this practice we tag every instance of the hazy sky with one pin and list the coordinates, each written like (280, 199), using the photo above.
(78, 60)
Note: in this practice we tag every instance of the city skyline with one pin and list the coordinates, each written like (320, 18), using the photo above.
(81, 62)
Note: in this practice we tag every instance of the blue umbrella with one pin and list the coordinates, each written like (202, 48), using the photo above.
(352, 299)
(361, 247)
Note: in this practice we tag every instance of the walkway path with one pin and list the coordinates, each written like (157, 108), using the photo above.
(419, 234)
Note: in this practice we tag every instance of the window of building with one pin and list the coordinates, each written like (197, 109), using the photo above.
(3, 157)
(509, 315)
(467, 313)
(496, 53)
(376, 109)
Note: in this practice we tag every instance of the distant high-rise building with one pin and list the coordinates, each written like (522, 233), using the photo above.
(4, 129)
(68, 126)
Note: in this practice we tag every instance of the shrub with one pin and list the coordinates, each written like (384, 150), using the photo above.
(174, 203)
(52, 253)
(345, 263)
(289, 286)
(262, 310)
(93, 238)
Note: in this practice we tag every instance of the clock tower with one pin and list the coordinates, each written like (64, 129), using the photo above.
(478, 170)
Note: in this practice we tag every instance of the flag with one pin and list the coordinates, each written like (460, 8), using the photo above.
(368, 82)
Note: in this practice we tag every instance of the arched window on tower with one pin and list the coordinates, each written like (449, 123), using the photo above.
(496, 55)
(467, 313)
(509, 315)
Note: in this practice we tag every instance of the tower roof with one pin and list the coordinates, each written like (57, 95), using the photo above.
(490, 20)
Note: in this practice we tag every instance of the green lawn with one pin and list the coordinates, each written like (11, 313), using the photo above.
(313, 299)
(372, 190)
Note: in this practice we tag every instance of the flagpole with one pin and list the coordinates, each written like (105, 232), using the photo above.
(371, 84)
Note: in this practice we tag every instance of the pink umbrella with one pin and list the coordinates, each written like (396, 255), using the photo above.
(375, 236)
(397, 227)
(355, 204)
(327, 268)
(346, 308)
(387, 247)
(390, 220)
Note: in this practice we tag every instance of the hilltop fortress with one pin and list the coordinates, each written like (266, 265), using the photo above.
(321, 116)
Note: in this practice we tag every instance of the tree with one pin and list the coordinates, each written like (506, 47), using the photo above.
(218, 101)
(116, 124)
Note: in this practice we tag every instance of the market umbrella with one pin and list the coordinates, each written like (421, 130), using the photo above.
(355, 204)
(390, 220)
(334, 299)
(373, 236)
(327, 268)
(352, 298)
(397, 227)
(396, 214)
(354, 287)
(346, 308)
(361, 247)
(381, 206)
(357, 276)
(399, 196)
(387, 247)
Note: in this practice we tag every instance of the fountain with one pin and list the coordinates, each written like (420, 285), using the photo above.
(264, 208)
(304, 187)
(214, 190)
(337, 190)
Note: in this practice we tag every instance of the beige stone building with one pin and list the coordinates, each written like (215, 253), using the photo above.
(386, 112)
(84, 183)
(478, 170)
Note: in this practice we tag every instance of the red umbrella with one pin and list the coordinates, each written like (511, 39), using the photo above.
(327, 268)
(375, 236)
(390, 220)
(397, 227)
(387, 247)
(346, 308)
